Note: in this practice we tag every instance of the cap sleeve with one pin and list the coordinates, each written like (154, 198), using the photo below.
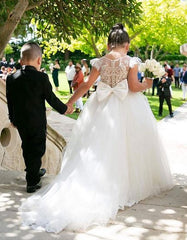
(134, 61)
(96, 62)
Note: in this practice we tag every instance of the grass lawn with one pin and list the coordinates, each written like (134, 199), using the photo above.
(177, 101)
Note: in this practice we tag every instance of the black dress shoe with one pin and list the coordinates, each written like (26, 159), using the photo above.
(31, 189)
(171, 115)
(42, 172)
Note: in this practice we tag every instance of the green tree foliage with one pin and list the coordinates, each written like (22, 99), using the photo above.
(8, 49)
(11, 13)
(97, 16)
(82, 25)
(68, 17)
(162, 29)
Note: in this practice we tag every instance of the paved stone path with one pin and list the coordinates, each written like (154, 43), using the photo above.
(160, 218)
(62, 124)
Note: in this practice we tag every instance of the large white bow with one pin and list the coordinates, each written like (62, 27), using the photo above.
(120, 90)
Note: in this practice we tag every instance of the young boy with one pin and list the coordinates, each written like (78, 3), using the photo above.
(26, 90)
(164, 93)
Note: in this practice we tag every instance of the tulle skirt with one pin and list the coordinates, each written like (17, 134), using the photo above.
(114, 159)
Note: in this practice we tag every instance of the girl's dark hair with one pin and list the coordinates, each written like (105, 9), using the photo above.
(56, 60)
(118, 36)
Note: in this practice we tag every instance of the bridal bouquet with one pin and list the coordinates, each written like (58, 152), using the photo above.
(152, 69)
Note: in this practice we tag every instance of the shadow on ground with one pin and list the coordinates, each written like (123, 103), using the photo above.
(157, 218)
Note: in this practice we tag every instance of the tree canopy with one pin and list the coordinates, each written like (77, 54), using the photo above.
(162, 29)
(159, 31)
(69, 18)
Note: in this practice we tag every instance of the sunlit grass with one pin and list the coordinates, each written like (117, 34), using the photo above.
(177, 101)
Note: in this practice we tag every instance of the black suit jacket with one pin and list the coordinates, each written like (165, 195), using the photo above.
(163, 88)
(26, 92)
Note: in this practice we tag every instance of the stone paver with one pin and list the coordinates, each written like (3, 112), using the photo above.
(62, 124)
(158, 218)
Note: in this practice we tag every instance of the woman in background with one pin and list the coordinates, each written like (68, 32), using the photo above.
(56, 68)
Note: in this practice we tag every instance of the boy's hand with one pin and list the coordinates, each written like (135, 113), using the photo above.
(70, 109)
(163, 80)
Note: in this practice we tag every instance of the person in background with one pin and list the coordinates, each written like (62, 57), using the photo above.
(96, 83)
(77, 81)
(155, 85)
(4, 63)
(3, 73)
(176, 70)
(55, 71)
(166, 63)
(139, 76)
(86, 73)
(18, 65)
(164, 93)
(12, 64)
(184, 81)
(82, 64)
(70, 73)
(51, 67)
(170, 72)
(172, 65)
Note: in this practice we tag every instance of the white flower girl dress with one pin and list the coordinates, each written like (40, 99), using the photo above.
(114, 158)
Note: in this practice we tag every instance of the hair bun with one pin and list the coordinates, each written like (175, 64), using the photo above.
(118, 26)
(118, 36)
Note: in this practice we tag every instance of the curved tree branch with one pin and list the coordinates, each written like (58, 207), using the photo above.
(33, 5)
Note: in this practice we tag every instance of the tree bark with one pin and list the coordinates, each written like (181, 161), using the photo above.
(13, 19)
(66, 55)
(146, 52)
(152, 52)
(97, 53)
(158, 52)
(93, 45)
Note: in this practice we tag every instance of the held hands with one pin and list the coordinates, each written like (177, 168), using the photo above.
(69, 109)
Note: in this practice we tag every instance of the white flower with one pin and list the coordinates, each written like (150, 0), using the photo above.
(152, 66)
(142, 67)
(161, 72)
(148, 63)
(153, 62)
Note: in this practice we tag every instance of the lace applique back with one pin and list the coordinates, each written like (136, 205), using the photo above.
(113, 71)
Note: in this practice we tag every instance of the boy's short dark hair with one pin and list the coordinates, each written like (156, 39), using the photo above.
(30, 51)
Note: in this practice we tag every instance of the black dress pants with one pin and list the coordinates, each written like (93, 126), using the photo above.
(168, 101)
(155, 85)
(177, 82)
(33, 146)
(70, 88)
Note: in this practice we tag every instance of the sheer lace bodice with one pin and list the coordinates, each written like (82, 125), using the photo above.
(113, 71)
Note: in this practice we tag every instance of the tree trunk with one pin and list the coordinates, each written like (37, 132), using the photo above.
(138, 54)
(13, 19)
(146, 52)
(162, 56)
(158, 52)
(97, 53)
(152, 52)
(66, 55)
